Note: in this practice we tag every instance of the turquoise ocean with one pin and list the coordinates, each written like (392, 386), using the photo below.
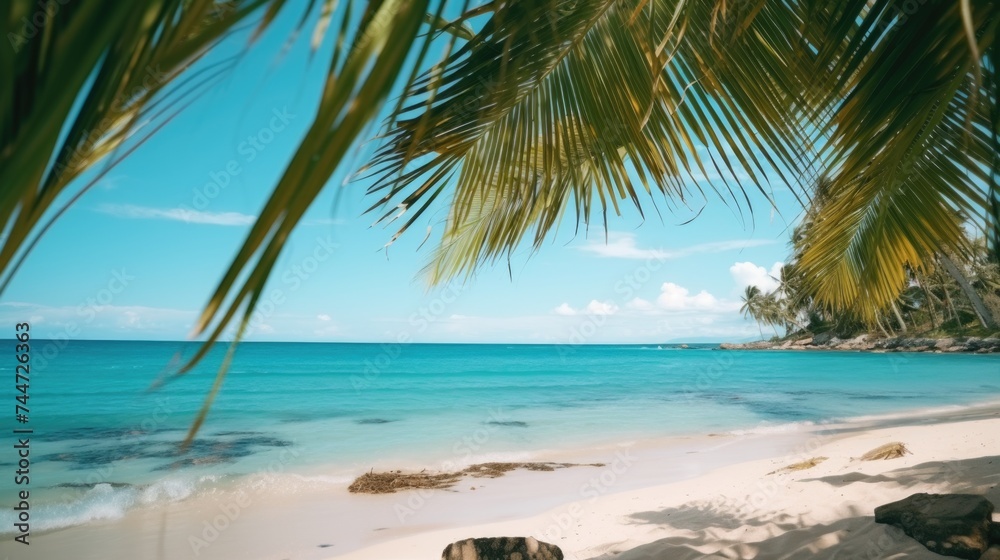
(103, 443)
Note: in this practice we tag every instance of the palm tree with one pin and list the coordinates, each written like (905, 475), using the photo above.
(752, 299)
(541, 109)
(774, 312)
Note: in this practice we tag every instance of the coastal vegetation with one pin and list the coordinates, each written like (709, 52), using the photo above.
(525, 114)
(953, 295)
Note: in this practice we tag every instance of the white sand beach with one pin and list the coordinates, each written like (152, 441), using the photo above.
(742, 511)
(711, 496)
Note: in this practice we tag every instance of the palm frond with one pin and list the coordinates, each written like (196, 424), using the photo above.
(551, 112)
(911, 149)
(365, 65)
(96, 81)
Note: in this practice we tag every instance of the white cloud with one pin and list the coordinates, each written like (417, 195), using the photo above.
(623, 246)
(100, 321)
(640, 304)
(677, 298)
(177, 214)
(564, 309)
(593, 308)
(625, 326)
(601, 308)
(131, 319)
(749, 274)
(323, 317)
(673, 301)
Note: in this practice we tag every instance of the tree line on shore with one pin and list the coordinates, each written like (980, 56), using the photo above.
(955, 293)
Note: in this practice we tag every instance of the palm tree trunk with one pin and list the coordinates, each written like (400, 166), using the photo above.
(882, 328)
(930, 299)
(982, 312)
(951, 308)
(899, 317)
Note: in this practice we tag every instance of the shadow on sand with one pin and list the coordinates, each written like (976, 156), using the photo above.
(719, 532)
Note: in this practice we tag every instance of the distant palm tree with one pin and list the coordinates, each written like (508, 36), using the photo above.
(751, 308)
(539, 109)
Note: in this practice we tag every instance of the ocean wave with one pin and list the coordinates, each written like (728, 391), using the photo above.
(773, 429)
(922, 413)
(289, 483)
(102, 501)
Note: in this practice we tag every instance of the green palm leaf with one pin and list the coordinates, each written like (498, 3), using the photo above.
(90, 86)
(551, 111)
(911, 144)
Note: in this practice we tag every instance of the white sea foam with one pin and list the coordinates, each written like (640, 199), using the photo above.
(459, 463)
(921, 413)
(764, 429)
(99, 502)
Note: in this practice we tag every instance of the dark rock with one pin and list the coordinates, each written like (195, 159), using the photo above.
(949, 524)
(759, 345)
(502, 548)
(822, 339)
(995, 533)
(975, 344)
(972, 343)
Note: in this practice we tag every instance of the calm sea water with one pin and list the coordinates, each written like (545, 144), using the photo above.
(103, 443)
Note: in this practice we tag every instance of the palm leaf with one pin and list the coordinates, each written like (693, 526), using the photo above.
(364, 68)
(911, 148)
(551, 111)
(92, 83)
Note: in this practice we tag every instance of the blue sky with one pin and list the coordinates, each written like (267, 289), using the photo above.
(138, 256)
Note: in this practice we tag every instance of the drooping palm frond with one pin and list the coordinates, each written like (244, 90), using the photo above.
(552, 111)
(87, 82)
(912, 140)
(370, 54)
(82, 92)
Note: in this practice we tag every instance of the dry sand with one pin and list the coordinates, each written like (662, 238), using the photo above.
(679, 498)
(741, 511)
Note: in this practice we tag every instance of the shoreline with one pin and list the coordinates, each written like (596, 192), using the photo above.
(864, 343)
(756, 509)
(326, 521)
